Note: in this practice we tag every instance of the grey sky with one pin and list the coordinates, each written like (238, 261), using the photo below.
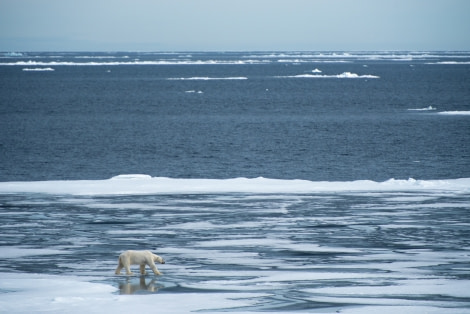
(163, 25)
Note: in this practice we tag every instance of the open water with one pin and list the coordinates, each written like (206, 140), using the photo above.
(269, 181)
(314, 116)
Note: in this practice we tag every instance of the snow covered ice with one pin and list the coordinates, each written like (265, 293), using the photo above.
(239, 245)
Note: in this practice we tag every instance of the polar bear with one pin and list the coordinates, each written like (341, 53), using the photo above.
(141, 258)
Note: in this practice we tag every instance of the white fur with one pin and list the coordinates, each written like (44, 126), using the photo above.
(142, 258)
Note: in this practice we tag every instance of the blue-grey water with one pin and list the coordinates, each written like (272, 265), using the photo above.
(99, 115)
(74, 120)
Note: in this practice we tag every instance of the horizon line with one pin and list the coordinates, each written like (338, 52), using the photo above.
(247, 50)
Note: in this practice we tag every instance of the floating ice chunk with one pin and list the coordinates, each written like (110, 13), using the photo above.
(348, 75)
(38, 69)
(316, 71)
(131, 176)
(424, 109)
(135, 62)
(13, 54)
(463, 113)
(206, 78)
(450, 62)
(354, 75)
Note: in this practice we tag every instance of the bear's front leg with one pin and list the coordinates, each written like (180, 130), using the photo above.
(155, 270)
(128, 270)
(142, 269)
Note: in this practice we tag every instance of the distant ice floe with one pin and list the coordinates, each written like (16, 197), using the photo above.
(38, 69)
(13, 54)
(178, 58)
(144, 184)
(347, 75)
(450, 62)
(430, 108)
(344, 56)
(131, 177)
(298, 61)
(102, 57)
(205, 78)
(135, 62)
(463, 113)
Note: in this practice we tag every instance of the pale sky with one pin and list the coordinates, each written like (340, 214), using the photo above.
(233, 25)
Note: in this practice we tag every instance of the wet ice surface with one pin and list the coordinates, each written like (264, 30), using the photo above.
(344, 252)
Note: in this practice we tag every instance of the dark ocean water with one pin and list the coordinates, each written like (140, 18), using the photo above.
(199, 133)
(99, 115)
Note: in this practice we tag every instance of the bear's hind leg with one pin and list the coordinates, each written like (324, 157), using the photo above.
(127, 264)
(119, 267)
(142, 269)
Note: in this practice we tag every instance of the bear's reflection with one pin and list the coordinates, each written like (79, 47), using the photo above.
(132, 286)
